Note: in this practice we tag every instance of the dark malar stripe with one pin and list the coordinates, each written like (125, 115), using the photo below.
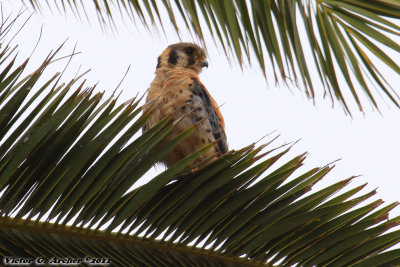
(191, 62)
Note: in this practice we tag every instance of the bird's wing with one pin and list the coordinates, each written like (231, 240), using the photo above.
(183, 97)
(213, 115)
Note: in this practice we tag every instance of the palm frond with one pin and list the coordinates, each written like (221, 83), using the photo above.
(339, 40)
(68, 161)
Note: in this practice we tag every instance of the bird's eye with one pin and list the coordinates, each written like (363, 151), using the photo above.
(189, 50)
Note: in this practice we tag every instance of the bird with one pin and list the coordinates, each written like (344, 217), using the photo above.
(177, 91)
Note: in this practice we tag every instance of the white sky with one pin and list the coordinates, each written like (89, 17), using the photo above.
(368, 144)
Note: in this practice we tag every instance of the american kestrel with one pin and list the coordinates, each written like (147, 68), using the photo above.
(177, 91)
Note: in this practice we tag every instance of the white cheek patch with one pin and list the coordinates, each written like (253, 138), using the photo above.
(182, 59)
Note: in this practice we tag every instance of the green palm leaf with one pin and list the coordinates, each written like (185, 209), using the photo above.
(345, 38)
(68, 160)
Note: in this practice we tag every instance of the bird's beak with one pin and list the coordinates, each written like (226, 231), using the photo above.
(204, 63)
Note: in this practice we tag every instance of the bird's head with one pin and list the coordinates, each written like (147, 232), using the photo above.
(183, 55)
